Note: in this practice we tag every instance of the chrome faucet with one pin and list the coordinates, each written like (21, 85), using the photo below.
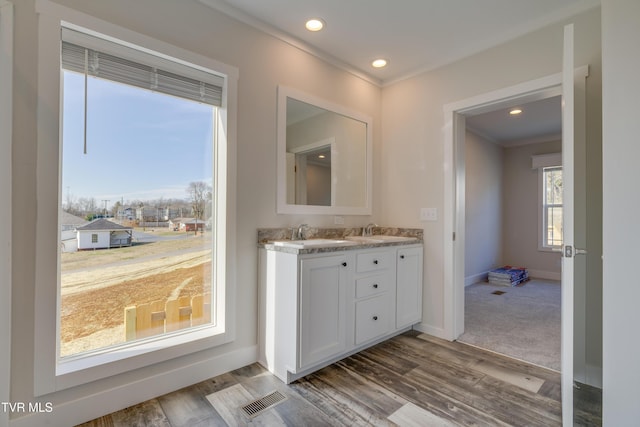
(300, 233)
(368, 229)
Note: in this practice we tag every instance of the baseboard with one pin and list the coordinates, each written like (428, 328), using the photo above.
(476, 278)
(594, 376)
(96, 405)
(541, 274)
(431, 330)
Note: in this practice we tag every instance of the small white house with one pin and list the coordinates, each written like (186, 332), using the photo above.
(103, 234)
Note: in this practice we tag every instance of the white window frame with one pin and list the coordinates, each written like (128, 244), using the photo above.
(6, 108)
(50, 373)
(542, 162)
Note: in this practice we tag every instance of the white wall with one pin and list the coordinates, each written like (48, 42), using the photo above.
(6, 73)
(263, 64)
(621, 228)
(502, 209)
(413, 131)
(483, 207)
(85, 239)
(521, 209)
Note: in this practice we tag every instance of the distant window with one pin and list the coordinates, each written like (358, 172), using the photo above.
(551, 209)
(94, 238)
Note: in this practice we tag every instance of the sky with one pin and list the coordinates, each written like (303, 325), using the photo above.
(141, 145)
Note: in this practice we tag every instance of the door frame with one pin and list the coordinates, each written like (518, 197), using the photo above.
(454, 209)
(454, 176)
(454, 185)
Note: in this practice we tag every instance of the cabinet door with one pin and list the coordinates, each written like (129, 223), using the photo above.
(323, 308)
(374, 318)
(409, 287)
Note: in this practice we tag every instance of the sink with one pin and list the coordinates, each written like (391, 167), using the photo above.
(380, 239)
(313, 243)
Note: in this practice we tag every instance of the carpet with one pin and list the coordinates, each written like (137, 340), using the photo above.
(523, 322)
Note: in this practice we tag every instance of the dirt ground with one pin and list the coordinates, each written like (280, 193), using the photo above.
(97, 286)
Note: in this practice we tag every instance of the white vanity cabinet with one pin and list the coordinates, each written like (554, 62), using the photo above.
(409, 286)
(323, 308)
(317, 307)
(375, 285)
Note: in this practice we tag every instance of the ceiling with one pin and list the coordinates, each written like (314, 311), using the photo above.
(413, 35)
(540, 121)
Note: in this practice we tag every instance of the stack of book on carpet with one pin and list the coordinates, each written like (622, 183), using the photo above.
(508, 276)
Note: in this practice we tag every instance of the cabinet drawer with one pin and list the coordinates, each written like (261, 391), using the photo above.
(372, 261)
(372, 285)
(374, 318)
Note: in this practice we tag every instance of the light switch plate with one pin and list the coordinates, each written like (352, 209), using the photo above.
(338, 220)
(428, 214)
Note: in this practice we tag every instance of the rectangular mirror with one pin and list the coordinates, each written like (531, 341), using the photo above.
(324, 157)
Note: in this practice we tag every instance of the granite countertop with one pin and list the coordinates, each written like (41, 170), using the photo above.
(340, 239)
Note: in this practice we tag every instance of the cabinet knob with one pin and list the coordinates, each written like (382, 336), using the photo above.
(401, 256)
(375, 317)
(375, 261)
(375, 286)
(344, 264)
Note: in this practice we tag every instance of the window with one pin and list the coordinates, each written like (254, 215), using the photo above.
(551, 226)
(137, 136)
(145, 141)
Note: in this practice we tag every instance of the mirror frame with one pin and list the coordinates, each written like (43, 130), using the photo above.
(282, 207)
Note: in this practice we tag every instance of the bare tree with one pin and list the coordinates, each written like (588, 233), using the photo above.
(199, 195)
(115, 209)
(88, 206)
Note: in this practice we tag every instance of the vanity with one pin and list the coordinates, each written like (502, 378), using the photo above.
(327, 293)
(324, 299)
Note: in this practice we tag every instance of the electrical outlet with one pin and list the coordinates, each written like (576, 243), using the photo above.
(338, 220)
(428, 214)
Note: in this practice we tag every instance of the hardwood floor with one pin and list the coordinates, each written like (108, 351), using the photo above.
(410, 380)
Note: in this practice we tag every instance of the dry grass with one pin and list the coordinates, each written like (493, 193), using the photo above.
(102, 283)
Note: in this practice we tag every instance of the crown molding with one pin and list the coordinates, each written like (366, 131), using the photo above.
(239, 15)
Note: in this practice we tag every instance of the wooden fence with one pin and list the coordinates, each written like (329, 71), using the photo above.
(158, 317)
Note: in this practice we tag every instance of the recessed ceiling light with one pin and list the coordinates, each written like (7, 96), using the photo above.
(314, 24)
(515, 111)
(321, 156)
(379, 63)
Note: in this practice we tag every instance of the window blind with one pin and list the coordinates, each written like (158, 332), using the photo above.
(546, 160)
(144, 74)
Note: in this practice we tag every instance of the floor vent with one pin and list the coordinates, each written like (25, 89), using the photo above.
(255, 408)
(498, 292)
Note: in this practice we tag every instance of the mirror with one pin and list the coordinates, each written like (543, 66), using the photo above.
(324, 157)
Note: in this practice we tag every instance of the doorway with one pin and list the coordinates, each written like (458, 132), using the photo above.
(454, 195)
(508, 154)
(573, 312)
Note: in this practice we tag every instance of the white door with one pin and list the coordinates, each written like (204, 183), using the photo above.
(572, 273)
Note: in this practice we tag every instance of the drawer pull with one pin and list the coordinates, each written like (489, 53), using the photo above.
(344, 264)
(401, 256)
(375, 286)
(375, 261)
(375, 317)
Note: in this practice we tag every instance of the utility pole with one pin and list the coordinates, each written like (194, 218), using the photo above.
(105, 208)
